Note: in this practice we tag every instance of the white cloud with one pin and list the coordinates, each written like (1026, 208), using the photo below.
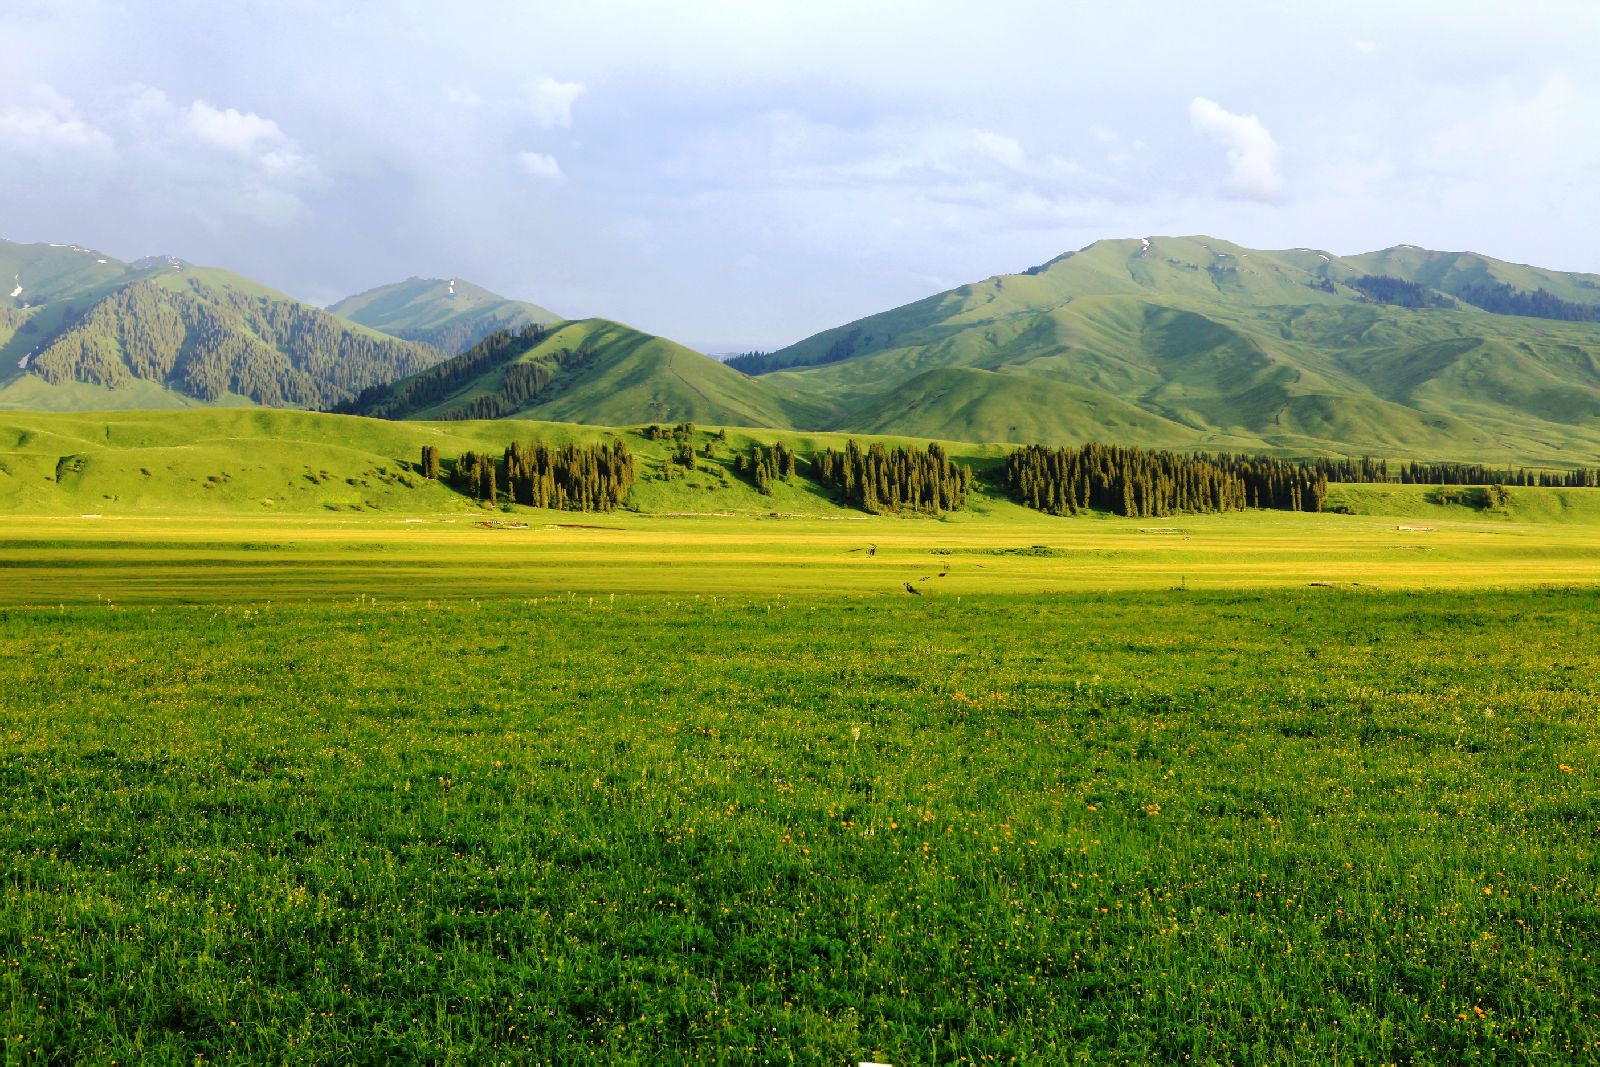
(48, 122)
(550, 102)
(207, 161)
(1366, 47)
(540, 165)
(1252, 153)
(236, 131)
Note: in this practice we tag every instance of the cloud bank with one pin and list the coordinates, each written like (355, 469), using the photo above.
(1251, 150)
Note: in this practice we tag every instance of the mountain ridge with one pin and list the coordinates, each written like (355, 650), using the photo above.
(449, 314)
(1229, 346)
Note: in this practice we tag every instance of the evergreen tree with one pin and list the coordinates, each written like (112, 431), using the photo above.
(879, 480)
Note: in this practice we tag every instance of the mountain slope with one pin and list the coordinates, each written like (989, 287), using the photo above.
(451, 315)
(1201, 342)
(591, 370)
(84, 331)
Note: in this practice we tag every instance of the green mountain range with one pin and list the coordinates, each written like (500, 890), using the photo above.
(80, 330)
(1198, 343)
(452, 315)
(1187, 342)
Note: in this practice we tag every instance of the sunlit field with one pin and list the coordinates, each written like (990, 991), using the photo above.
(720, 789)
(473, 552)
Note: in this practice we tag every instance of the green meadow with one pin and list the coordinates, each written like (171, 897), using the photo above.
(307, 760)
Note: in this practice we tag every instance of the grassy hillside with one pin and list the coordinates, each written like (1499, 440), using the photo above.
(266, 461)
(262, 462)
(1201, 342)
(592, 371)
(451, 315)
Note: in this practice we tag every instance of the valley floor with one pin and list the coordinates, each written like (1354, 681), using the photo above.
(470, 552)
(460, 785)
(1251, 825)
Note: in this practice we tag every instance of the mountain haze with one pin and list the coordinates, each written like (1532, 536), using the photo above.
(450, 314)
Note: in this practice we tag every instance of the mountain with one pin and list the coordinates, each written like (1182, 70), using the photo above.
(81, 330)
(590, 371)
(452, 315)
(1196, 342)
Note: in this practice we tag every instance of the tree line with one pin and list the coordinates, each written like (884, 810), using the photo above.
(878, 479)
(1367, 469)
(567, 478)
(1147, 483)
(1502, 299)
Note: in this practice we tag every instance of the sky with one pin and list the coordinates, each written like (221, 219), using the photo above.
(740, 175)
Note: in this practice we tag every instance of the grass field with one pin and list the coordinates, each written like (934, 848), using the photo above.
(370, 773)
(1322, 825)
(448, 555)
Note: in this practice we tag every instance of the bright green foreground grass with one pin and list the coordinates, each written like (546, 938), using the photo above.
(1316, 825)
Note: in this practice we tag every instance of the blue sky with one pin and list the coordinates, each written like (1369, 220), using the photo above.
(740, 175)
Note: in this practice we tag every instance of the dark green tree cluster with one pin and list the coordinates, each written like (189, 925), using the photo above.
(566, 477)
(877, 479)
(1481, 497)
(430, 462)
(1383, 289)
(438, 382)
(1367, 469)
(1146, 484)
(748, 362)
(847, 341)
(1351, 469)
(762, 465)
(520, 384)
(1477, 474)
(475, 475)
(684, 431)
(1502, 299)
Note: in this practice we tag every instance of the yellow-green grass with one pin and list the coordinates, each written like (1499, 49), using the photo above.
(447, 555)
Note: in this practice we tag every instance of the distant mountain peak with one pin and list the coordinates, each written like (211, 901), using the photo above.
(449, 313)
(157, 262)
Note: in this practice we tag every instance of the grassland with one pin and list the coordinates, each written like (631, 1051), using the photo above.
(304, 760)
(1313, 825)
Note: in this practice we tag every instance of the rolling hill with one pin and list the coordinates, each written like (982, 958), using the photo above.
(80, 330)
(451, 315)
(1196, 342)
(591, 371)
